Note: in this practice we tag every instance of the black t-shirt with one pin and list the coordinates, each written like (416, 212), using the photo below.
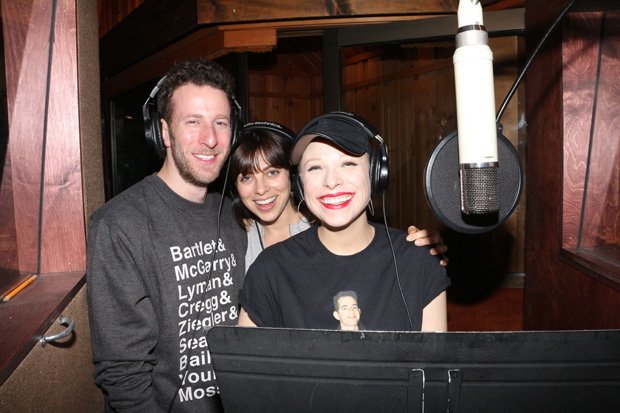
(292, 284)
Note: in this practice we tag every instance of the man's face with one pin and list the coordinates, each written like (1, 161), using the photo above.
(199, 133)
(348, 313)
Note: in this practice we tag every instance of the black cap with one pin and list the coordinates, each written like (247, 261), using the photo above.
(350, 138)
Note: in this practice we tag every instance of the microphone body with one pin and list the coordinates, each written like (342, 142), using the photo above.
(475, 107)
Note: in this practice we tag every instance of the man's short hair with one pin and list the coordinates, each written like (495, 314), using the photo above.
(343, 294)
(197, 72)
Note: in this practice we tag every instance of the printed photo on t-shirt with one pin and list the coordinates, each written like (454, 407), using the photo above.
(347, 311)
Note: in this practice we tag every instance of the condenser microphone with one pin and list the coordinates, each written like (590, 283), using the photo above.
(475, 108)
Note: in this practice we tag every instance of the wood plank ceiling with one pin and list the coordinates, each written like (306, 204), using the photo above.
(140, 39)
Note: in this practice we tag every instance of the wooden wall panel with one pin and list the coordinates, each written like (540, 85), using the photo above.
(8, 238)
(26, 55)
(557, 296)
(257, 107)
(27, 31)
(29, 314)
(9, 258)
(602, 207)
(288, 97)
(315, 84)
(63, 213)
(278, 99)
(591, 214)
(580, 62)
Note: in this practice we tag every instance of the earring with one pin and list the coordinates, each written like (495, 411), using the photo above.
(298, 207)
(301, 217)
(371, 207)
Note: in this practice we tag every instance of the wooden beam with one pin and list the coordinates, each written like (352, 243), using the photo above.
(305, 27)
(156, 24)
(206, 43)
(237, 11)
(496, 22)
(501, 4)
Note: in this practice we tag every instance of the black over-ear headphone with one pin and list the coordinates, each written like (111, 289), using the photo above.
(152, 122)
(379, 162)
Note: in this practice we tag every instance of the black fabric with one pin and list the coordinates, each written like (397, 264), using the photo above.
(345, 132)
(292, 283)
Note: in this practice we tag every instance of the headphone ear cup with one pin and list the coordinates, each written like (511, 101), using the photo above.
(235, 132)
(383, 169)
(375, 159)
(152, 122)
(236, 126)
(153, 135)
(379, 171)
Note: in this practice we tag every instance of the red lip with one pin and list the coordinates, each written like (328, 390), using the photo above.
(336, 195)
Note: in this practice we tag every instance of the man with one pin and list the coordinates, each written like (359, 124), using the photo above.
(347, 311)
(163, 265)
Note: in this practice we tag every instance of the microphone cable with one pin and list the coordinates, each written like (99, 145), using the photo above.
(400, 287)
(542, 41)
(45, 123)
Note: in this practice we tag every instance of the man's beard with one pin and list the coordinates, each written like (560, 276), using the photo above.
(201, 178)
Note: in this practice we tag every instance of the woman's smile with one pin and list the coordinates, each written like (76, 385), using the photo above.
(265, 204)
(336, 201)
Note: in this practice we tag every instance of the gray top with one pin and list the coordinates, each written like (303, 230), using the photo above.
(158, 276)
(256, 239)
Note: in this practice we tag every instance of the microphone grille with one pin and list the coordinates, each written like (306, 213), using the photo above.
(479, 190)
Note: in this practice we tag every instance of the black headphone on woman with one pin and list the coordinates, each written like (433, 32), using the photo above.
(271, 127)
(152, 122)
(379, 162)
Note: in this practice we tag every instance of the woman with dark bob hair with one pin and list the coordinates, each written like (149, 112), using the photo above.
(261, 191)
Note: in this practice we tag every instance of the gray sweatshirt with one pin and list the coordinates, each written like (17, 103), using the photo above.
(154, 288)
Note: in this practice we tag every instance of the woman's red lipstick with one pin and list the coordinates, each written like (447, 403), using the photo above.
(336, 201)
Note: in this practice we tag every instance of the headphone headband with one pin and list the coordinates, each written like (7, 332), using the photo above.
(271, 127)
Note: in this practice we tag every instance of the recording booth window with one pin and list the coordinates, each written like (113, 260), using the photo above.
(130, 159)
(591, 190)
